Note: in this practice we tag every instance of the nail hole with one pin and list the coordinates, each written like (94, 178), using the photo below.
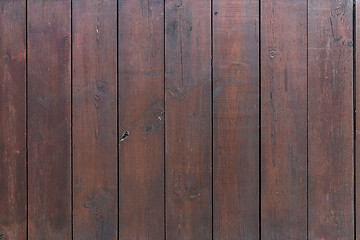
(272, 54)
(124, 136)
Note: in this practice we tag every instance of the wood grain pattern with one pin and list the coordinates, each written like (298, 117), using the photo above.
(95, 119)
(357, 120)
(331, 190)
(49, 119)
(283, 119)
(141, 126)
(188, 119)
(179, 119)
(236, 119)
(13, 120)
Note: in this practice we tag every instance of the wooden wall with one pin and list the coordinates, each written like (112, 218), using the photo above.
(179, 119)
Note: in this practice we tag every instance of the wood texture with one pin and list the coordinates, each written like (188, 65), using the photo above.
(95, 119)
(179, 119)
(331, 206)
(236, 119)
(357, 115)
(283, 119)
(13, 120)
(141, 126)
(188, 119)
(49, 119)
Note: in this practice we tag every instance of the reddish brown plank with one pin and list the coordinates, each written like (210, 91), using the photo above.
(357, 115)
(13, 120)
(188, 119)
(331, 173)
(236, 119)
(141, 119)
(95, 119)
(49, 119)
(283, 119)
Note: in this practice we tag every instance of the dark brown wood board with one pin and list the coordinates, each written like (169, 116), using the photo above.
(283, 119)
(331, 172)
(236, 119)
(49, 119)
(141, 119)
(13, 183)
(188, 119)
(356, 106)
(94, 111)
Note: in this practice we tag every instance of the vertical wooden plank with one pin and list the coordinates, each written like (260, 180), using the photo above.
(141, 119)
(95, 119)
(283, 119)
(49, 119)
(12, 120)
(188, 119)
(331, 210)
(357, 120)
(236, 119)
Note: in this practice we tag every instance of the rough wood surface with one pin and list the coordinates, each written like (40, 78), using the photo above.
(13, 120)
(357, 120)
(331, 173)
(49, 119)
(179, 119)
(283, 119)
(188, 119)
(95, 119)
(141, 119)
(236, 119)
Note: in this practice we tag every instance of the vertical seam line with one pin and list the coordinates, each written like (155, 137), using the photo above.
(71, 122)
(259, 140)
(354, 110)
(164, 96)
(212, 116)
(26, 120)
(307, 119)
(118, 120)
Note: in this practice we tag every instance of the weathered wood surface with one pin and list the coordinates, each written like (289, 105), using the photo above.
(94, 108)
(49, 119)
(13, 120)
(283, 119)
(179, 119)
(236, 119)
(331, 142)
(356, 106)
(141, 119)
(188, 119)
